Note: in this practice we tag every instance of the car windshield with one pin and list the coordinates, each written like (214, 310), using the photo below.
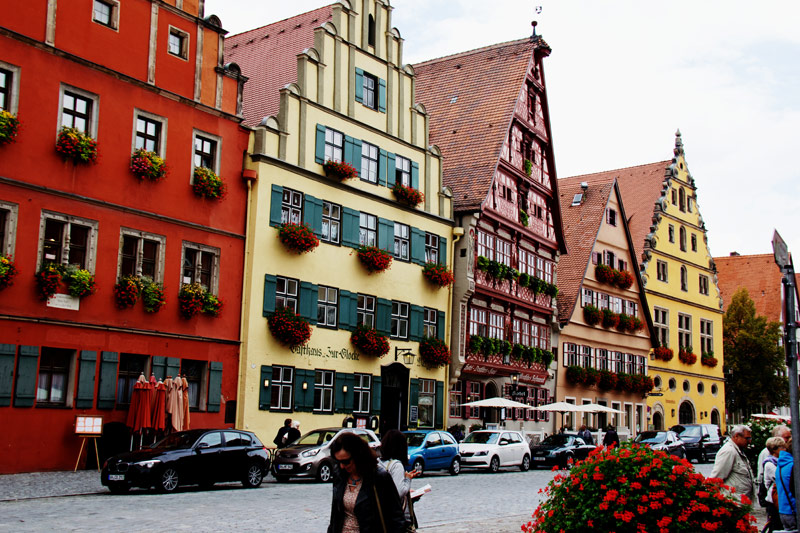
(415, 439)
(691, 431)
(481, 437)
(316, 437)
(177, 441)
(651, 436)
(556, 440)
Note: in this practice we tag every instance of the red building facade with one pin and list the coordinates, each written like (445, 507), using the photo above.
(140, 74)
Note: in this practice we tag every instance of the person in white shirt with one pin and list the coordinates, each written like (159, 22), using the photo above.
(394, 458)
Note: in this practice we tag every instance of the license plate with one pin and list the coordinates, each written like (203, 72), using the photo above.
(284, 467)
(116, 477)
(538, 458)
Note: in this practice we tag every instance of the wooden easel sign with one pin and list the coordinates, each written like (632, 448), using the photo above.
(88, 427)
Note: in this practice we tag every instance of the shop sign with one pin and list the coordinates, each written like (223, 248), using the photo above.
(519, 394)
(64, 301)
(327, 352)
(531, 378)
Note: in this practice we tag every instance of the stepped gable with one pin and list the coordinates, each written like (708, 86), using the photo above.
(268, 57)
(759, 275)
(470, 98)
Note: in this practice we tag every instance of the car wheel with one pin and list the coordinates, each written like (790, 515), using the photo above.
(324, 473)
(119, 489)
(418, 466)
(494, 465)
(525, 465)
(169, 480)
(253, 477)
(455, 466)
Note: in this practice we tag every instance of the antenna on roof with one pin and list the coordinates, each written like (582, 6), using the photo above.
(534, 36)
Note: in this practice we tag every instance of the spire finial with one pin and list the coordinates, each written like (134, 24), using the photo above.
(678, 144)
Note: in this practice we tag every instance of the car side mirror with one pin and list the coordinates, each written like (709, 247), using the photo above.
(503, 442)
(201, 446)
(705, 437)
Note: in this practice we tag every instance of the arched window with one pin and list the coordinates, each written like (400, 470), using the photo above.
(683, 239)
(684, 279)
(371, 31)
(682, 199)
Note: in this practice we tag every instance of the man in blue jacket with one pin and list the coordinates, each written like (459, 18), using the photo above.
(785, 484)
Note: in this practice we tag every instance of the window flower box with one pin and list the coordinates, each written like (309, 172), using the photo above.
(339, 170)
(407, 195)
(606, 380)
(127, 291)
(528, 166)
(592, 315)
(76, 146)
(80, 282)
(297, 238)
(642, 384)
(708, 359)
(370, 341)
(625, 323)
(591, 376)
(212, 305)
(153, 297)
(289, 328)
(147, 165)
(623, 279)
(9, 127)
(636, 324)
(523, 218)
(604, 274)
(576, 374)
(207, 184)
(194, 299)
(438, 274)
(686, 355)
(48, 279)
(434, 353)
(663, 353)
(374, 259)
(610, 319)
(624, 382)
(8, 269)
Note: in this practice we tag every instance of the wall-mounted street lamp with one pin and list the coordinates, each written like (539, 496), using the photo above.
(344, 389)
(406, 353)
(305, 385)
(266, 383)
(514, 380)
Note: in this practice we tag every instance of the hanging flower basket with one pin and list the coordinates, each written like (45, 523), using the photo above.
(624, 382)
(339, 170)
(212, 305)
(127, 290)
(7, 271)
(190, 299)
(80, 282)
(407, 195)
(74, 145)
(147, 165)
(289, 328)
(9, 127)
(374, 259)
(610, 319)
(434, 353)
(370, 341)
(642, 384)
(623, 279)
(636, 324)
(663, 353)
(607, 380)
(576, 374)
(687, 356)
(625, 322)
(47, 280)
(153, 297)
(591, 377)
(708, 359)
(592, 315)
(438, 274)
(604, 273)
(297, 238)
(207, 184)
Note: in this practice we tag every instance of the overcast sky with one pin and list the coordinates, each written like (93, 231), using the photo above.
(624, 75)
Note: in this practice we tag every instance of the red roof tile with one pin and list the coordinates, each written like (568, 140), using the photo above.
(759, 275)
(268, 57)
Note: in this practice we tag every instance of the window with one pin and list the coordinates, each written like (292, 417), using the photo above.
(431, 248)
(369, 162)
(78, 110)
(570, 354)
(661, 323)
(671, 233)
(522, 332)
(619, 362)
(131, 366)
(178, 43)
(331, 221)
(684, 330)
(106, 12)
(205, 151)
(323, 391)
(673, 384)
(399, 320)
(683, 239)
(577, 199)
(286, 293)
(371, 31)
(694, 242)
(370, 98)
(603, 359)
(401, 241)
(456, 399)
(674, 197)
(334, 145)
(622, 265)
(682, 199)
(585, 356)
(53, 380)
(9, 87)
(148, 133)
(402, 169)
(282, 381)
(429, 321)
(703, 284)
(684, 279)
(609, 258)
(362, 393)
(426, 402)
(201, 265)
(706, 336)
(8, 227)
(141, 254)
(291, 207)
(661, 269)
(486, 245)
(587, 296)
(544, 337)
(496, 325)
(611, 216)
(686, 385)
(477, 322)
(195, 373)
(327, 306)
(473, 396)
(366, 310)
(503, 251)
(67, 240)
(368, 230)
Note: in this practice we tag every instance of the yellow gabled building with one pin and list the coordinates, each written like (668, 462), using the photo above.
(330, 85)
(681, 289)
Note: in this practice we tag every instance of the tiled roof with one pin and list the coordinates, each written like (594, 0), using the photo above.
(268, 57)
(470, 98)
(581, 224)
(640, 187)
(759, 275)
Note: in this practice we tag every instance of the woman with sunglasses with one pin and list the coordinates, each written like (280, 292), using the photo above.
(364, 495)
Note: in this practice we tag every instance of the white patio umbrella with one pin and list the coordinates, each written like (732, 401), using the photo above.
(559, 407)
(597, 408)
(497, 402)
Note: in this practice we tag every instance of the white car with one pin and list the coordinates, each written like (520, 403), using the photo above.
(493, 449)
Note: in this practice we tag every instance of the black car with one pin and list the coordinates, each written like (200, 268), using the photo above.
(197, 456)
(667, 441)
(558, 450)
(702, 441)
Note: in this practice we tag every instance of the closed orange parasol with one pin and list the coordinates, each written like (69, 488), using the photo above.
(158, 415)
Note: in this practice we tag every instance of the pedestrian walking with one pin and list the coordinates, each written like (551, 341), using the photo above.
(394, 458)
(586, 435)
(784, 481)
(611, 438)
(782, 431)
(293, 433)
(731, 464)
(280, 438)
(775, 445)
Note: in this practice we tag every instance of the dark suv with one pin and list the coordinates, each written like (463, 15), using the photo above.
(702, 441)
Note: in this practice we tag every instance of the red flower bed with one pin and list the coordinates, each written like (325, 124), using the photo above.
(297, 238)
(610, 319)
(369, 341)
(625, 382)
(576, 374)
(625, 322)
(190, 299)
(663, 353)
(153, 297)
(339, 170)
(407, 195)
(623, 279)
(438, 274)
(592, 315)
(75, 145)
(434, 353)
(9, 126)
(687, 356)
(374, 259)
(636, 324)
(289, 328)
(642, 384)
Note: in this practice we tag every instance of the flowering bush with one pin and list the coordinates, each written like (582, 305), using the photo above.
(212, 305)
(708, 359)
(623, 279)
(47, 280)
(592, 315)
(604, 273)
(370, 341)
(434, 352)
(634, 488)
(190, 299)
(607, 380)
(374, 259)
(642, 384)
(148, 165)
(339, 170)
(297, 238)
(686, 355)
(77, 146)
(7, 271)
(663, 353)
(437, 274)
(289, 328)
(207, 184)
(591, 377)
(610, 319)
(625, 382)
(9, 126)
(80, 282)
(625, 322)
(407, 195)
(153, 297)
(636, 324)
(127, 290)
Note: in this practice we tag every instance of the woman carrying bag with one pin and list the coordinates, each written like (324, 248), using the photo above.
(394, 458)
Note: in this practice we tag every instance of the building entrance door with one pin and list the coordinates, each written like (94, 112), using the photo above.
(394, 397)
(686, 413)
(492, 415)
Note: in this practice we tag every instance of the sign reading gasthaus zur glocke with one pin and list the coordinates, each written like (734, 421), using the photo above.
(328, 352)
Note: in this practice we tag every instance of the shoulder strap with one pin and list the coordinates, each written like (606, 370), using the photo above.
(380, 510)
(784, 487)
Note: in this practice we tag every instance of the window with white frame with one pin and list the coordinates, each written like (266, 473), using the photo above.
(456, 399)
(661, 324)
(327, 307)
(587, 297)
(67, 240)
(426, 402)
(629, 363)
(368, 230)
(615, 304)
(548, 271)
(334, 145)
(619, 362)
(570, 354)
(323, 391)
(370, 93)
(473, 396)
(585, 356)
(684, 330)
(141, 254)
(79, 110)
(178, 43)
(431, 248)
(703, 282)
(503, 251)
(603, 359)
(641, 365)
(603, 300)
(331, 222)
(369, 162)
(53, 379)
(544, 337)
(106, 12)
(477, 322)
(9, 85)
(282, 387)
(8, 227)
(496, 325)
(286, 293)
(149, 132)
(631, 308)
(429, 321)
(535, 336)
(362, 393)
(522, 332)
(706, 336)
(402, 169)
(200, 265)
(402, 241)
(366, 310)
(661, 270)
(609, 258)
(291, 207)
(206, 151)
(486, 245)
(399, 320)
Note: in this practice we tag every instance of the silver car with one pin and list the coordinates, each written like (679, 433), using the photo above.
(310, 455)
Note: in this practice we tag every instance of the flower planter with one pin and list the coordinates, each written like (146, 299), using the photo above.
(80, 282)
(289, 328)
(610, 319)
(663, 353)
(374, 259)
(8, 269)
(592, 315)
(207, 184)
(591, 376)
(9, 127)
(212, 305)
(686, 356)
(126, 291)
(624, 382)
(636, 324)
(625, 323)
(623, 279)
(407, 195)
(576, 374)
(148, 165)
(434, 353)
(437, 274)
(708, 359)
(47, 280)
(528, 166)
(607, 380)
(523, 218)
(370, 341)
(297, 238)
(339, 171)
(153, 297)
(76, 146)
(604, 274)
(190, 300)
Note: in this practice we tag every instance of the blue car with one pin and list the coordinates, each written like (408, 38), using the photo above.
(433, 450)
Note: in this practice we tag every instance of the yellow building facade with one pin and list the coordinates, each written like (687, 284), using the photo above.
(350, 100)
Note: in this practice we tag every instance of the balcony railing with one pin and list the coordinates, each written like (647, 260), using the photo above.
(512, 288)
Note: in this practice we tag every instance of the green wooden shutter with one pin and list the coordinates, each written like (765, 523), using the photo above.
(359, 85)
(303, 399)
(214, 386)
(376, 395)
(413, 394)
(309, 295)
(276, 206)
(357, 144)
(107, 390)
(319, 152)
(264, 392)
(350, 227)
(312, 214)
(270, 286)
(8, 354)
(386, 235)
(87, 369)
(415, 174)
(417, 317)
(173, 366)
(339, 397)
(440, 325)
(348, 310)
(347, 152)
(390, 169)
(443, 250)
(417, 246)
(350, 395)
(27, 370)
(383, 318)
(439, 414)
(381, 95)
(383, 165)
